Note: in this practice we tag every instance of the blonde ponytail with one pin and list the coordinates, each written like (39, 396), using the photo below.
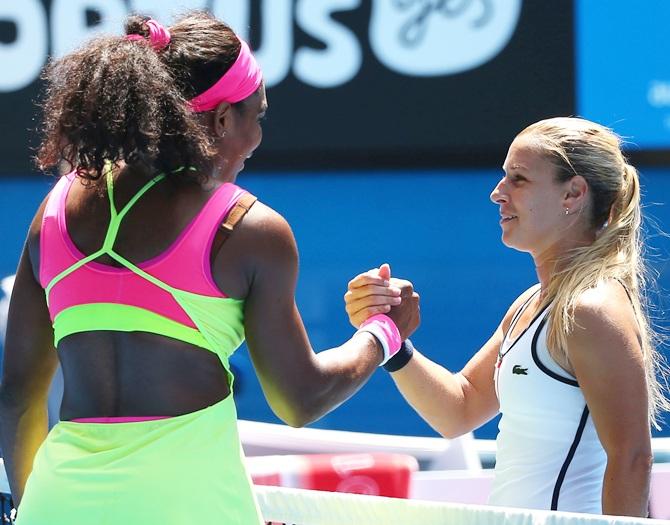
(580, 147)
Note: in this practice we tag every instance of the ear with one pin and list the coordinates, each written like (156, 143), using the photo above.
(576, 193)
(221, 119)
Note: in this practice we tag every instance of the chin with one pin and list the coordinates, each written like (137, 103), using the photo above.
(510, 242)
(239, 168)
(507, 240)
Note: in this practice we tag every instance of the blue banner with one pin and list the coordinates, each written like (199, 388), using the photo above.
(623, 71)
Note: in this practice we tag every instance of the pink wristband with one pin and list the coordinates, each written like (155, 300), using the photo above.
(386, 331)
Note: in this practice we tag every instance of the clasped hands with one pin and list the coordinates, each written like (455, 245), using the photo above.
(376, 292)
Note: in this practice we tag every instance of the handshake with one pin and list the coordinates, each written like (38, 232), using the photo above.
(375, 292)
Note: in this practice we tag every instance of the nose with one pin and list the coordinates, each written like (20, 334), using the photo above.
(499, 194)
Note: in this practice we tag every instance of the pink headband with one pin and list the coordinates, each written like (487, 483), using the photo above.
(159, 36)
(240, 81)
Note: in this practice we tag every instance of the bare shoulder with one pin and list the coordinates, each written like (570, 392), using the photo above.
(265, 244)
(267, 229)
(605, 326)
(605, 307)
(262, 218)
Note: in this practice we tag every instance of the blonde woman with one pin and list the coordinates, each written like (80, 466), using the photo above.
(572, 366)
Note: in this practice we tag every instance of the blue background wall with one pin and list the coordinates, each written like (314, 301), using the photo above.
(622, 73)
(437, 228)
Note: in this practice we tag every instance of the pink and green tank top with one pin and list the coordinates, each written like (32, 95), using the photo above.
(172, 294)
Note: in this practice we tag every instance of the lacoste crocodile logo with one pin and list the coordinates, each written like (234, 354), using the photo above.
(516, 369)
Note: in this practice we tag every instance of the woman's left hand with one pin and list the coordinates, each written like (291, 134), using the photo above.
(372, 293)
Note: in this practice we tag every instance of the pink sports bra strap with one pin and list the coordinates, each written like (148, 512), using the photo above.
(51, 240)
(188, 260)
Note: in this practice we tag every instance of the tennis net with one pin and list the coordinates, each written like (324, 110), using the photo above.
(308, 507)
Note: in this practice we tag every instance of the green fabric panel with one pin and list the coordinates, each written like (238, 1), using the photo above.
(220, 321)
(187, 469)
(122, 318)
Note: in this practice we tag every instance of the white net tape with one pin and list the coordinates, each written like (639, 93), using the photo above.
(309, 507)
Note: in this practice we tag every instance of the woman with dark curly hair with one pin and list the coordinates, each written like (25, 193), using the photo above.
(126, 274)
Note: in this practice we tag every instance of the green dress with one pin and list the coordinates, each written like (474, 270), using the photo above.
(178, 470)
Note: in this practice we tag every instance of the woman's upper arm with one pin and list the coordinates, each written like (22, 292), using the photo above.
(276, 338)
(604, 350)
(30, 359)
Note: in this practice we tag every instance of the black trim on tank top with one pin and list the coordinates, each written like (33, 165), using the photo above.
(510, 328)
(518, 313)
(625, 289)
(541, 365)
(568, 459)
(515, 319)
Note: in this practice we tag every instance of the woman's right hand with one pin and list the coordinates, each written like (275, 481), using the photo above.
(375, 292)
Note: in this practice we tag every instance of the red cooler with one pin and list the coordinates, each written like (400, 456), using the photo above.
(377, 474)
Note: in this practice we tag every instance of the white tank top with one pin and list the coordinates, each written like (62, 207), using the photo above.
(549, 455)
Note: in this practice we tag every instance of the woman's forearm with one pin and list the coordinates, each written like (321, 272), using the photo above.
(22, 431)
(435, 393)
(341, 372)
(310, 388)
(626, 485)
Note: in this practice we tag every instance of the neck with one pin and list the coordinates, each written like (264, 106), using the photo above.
(554, 258)
(223, 170)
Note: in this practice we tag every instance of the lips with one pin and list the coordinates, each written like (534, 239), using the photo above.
(507, 217)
